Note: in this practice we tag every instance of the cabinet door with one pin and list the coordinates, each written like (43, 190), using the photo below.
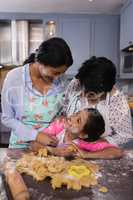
(126, 28)
(106, 38)
(77, 33)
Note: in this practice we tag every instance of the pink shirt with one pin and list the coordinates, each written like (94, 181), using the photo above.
(57, 128)
(92, 146)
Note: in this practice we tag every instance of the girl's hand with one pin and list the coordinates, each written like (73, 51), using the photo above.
(46, 140)
(35, 146)
(68, 138)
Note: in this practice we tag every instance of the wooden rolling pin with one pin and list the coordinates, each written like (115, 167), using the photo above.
(16, 184)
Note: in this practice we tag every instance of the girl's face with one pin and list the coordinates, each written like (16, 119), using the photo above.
(49, 74)
(76, 122)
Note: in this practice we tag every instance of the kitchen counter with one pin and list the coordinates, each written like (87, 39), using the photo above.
(116, 175)
(3, 72)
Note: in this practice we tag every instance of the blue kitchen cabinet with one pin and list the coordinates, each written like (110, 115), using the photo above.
(76, 31)
(96, 35)
(106, 37)
(87, 34)
(126, 25)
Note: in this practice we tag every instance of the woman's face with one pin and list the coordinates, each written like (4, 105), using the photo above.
(76, 122)
(93, 97)
(49, 74)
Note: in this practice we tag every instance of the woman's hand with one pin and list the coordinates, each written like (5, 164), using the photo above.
(46, 140)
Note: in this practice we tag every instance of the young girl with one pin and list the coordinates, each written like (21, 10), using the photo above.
(83, 129)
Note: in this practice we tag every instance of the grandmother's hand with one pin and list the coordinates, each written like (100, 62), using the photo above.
(46, 140)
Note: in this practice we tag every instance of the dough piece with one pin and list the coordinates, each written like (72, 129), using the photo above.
(73, 174)
(42, 152)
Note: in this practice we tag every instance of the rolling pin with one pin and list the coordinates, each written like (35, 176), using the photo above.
(16, 184)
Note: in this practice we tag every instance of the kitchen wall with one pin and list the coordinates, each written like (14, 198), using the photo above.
(87, 35)
(126, 39)
(126, 85)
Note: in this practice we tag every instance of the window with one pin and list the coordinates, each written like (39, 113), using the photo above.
(19, 38)
(36, 35)
(5, 42)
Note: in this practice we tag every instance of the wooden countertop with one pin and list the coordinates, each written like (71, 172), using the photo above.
(116, 175)
(130, 102)
(3, 72)
(130, 105)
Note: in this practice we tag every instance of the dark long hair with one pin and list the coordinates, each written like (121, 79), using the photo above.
(54, 52)
(30, 59)
(95, 125)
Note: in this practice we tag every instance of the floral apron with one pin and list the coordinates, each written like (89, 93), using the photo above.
(39, 112)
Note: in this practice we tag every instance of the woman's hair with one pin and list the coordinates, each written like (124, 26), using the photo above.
(30, 59)
(95, 125)
(97, 75)
(54, 52)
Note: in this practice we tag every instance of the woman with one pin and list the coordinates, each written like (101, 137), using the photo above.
(94, 86)
(32, 94)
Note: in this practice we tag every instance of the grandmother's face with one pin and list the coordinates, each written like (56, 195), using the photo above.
(94, 97)
(49, 74)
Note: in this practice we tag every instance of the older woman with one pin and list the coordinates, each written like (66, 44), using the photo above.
(94, 86)
(32, 94)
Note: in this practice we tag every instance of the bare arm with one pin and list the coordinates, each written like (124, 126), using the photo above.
(108, 153)
(44, 139)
